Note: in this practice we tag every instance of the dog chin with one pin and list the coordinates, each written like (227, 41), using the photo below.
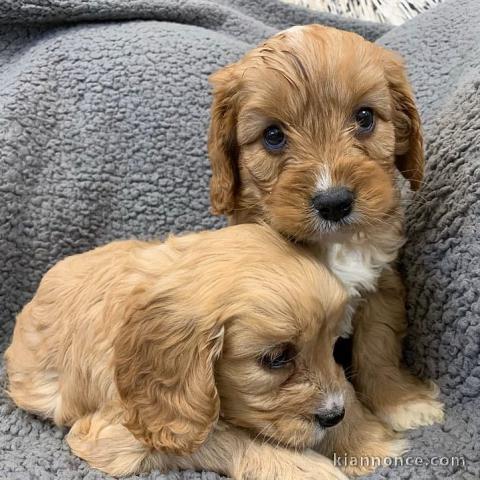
(334, 234)
(328, 231)
(319, 435)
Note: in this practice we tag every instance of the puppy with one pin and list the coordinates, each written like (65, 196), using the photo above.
(209, 351)
(308, 132)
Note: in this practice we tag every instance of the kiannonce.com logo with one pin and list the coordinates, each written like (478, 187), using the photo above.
(347, 461)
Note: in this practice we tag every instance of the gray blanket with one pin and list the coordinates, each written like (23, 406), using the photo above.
(103, 117)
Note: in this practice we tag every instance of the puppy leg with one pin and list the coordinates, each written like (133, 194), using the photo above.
(102, 441)
(361, 442)
(107, 445)
(233, 453)
(388, 389)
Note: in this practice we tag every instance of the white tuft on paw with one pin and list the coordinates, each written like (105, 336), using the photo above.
(414, 414)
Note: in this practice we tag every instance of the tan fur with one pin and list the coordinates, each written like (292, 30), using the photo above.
(309, 81)
(398, 397)
(363, 436)
(150, 352)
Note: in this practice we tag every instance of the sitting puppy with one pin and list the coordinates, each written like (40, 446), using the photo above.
(193, 353)
(307, 133)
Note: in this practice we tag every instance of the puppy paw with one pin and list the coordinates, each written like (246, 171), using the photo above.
(417, 412)
(106, 446)
(317, 467)
(370, 450)
(281, 464)
(374, 456)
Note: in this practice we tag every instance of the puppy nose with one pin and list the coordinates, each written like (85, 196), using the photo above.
(330, 418)
(334, 204)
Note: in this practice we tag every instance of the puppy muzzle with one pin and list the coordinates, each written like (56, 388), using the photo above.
(334, 204)
(331, 412)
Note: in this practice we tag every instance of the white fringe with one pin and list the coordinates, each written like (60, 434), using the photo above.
(394, 12)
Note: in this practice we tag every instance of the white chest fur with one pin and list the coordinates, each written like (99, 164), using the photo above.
(358, 265)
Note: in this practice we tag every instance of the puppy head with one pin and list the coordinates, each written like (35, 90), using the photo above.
(243, 327)
(307, 131)
(277, 376)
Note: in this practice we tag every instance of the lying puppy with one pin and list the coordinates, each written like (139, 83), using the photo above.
(192, 353)
(307, 133)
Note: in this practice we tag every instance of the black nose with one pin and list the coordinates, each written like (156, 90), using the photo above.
(334, 204)
(330, 418)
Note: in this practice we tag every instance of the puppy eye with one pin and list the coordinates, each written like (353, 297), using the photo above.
(281, 357)
(365, 120)
(273, 138)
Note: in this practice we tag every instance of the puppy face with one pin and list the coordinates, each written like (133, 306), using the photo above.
(276, 375)
(307, 132)
(242, 327)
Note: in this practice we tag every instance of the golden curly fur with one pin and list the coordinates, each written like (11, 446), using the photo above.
(152, 352)
(310, 82)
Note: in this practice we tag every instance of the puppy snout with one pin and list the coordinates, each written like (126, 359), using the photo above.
(334, 204)
(331, 411)
(330, 418)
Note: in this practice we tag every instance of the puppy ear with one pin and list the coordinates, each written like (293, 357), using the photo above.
(409, 157)
(222, 141)
(164, 373)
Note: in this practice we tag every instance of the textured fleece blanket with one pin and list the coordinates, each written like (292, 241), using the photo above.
(103, 117)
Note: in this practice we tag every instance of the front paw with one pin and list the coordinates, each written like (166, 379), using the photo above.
(364, 444)
(282, 464)
(423, 409)
(372, 454)
(313, 466)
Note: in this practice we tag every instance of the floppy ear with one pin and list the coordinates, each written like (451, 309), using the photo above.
(164, 373)
(222, 141)
(409, 157)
